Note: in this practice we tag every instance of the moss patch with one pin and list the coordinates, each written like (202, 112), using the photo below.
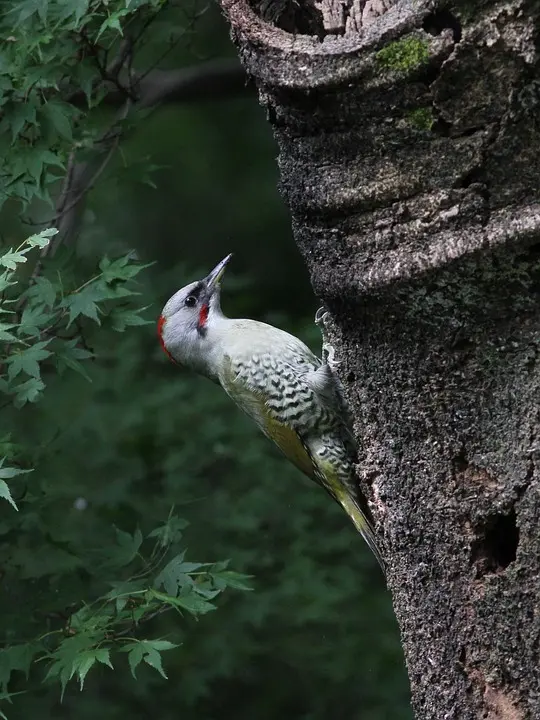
(421, 118)
(404, 55)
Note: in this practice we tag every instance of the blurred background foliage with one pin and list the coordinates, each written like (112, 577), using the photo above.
(316, 638)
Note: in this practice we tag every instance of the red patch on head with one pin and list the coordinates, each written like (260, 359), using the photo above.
(203, 316)
(160, 325)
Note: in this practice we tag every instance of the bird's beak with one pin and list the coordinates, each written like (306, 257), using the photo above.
(212, 280)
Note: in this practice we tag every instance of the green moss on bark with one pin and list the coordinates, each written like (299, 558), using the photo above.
(421, 118)
(404, 55)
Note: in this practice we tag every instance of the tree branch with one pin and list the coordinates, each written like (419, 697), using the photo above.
(213, 80)
(209, 81)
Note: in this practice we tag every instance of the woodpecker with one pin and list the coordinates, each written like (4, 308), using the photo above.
(294, 397)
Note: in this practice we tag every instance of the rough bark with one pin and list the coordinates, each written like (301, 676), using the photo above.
(409, 140)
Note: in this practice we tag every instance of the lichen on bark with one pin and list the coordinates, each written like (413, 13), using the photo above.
(424, 242)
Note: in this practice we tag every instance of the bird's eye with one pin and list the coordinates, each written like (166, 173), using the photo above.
(190, 301)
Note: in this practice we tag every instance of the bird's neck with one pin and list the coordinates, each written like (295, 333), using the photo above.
(205, 353)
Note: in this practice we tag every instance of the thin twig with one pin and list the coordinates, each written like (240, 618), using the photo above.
(115, 139)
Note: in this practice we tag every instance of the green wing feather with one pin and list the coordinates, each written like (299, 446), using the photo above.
(297, 451)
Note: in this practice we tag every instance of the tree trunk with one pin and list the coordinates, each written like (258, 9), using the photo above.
(409, 140)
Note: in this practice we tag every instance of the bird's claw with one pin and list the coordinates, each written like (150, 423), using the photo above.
(320, 318)
(328, 352)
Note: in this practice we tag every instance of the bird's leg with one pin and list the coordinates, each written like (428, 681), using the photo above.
(328, 353)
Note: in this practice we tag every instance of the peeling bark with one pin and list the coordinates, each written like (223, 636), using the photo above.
(409, 154)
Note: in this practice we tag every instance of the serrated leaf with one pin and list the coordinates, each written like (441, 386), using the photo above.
(171, 576)
(123, 268)
(123, 590)
(45, 291)
(69, 355)
(103, 656)
(59, 114)
(5, 335)
(43, 238)
(232, 579)
(16, 657)
(28, 360)
(112, 22)
(128, 546)
(191, 602)
(83, 664)
(33, 319)
(28, 391)
(9, 472)
(18, 116)
(6, 495)
(124, 318)
(135, 657)
(84, 302)
(75, 8)
(171, 532)
(11, 259)
(160, 645)
(149, 651)
(153, 658)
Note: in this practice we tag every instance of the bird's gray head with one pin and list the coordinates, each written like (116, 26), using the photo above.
(188, 318)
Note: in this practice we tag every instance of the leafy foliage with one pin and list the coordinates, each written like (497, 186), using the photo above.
(43, 326)
(55, 63)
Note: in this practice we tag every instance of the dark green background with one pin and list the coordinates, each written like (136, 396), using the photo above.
(316, 638)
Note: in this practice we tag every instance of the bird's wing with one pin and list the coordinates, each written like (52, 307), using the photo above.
(253, 403)
(325, 383)
(301, 453)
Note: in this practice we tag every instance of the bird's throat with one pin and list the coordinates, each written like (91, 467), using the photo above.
(203, 318)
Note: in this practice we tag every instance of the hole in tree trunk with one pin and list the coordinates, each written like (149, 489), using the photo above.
(441, 20)
(496, 545)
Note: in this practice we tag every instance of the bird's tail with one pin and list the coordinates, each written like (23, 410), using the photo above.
(362, 524)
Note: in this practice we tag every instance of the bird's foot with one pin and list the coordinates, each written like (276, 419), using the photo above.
(328, 352)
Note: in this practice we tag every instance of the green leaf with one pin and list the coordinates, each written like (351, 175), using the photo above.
(83, 664)
(11, 259)
(171, 532)
(28, 360)
(173, 576)
(153, 658)
(123, 318)
(75, 8)
(103, 657)
(28, 391)
(123, 268)
(160, 645)
(59, 115)
(34, 319)
(69, 355)
(123, 590)
(112, 22)
(135, 656)
(232, 579)
(20, 114)
(6, 495)
(149, 651)
(128, 547)
(5, 335)
(84, 302)
(9, 472)
(17, 657)
(44, 291)
(191, 602)
(43, 238)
